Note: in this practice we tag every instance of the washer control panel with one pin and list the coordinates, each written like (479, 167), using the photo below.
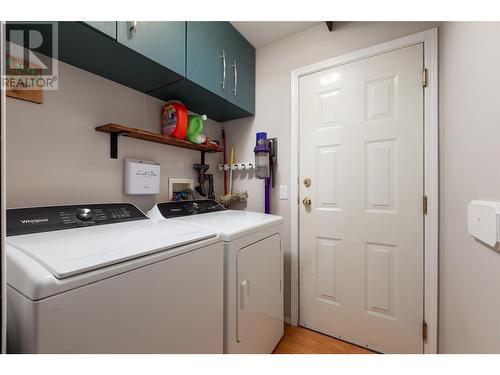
(185, 208)
(50, 218)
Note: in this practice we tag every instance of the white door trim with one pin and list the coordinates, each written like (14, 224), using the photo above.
(431, 178)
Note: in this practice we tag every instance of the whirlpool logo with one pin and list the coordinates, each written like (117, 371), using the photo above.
(34, 221)
(146, 173)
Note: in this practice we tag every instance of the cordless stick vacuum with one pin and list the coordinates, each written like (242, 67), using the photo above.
(266, 153)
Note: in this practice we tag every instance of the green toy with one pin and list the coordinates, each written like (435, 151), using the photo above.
(195, 127)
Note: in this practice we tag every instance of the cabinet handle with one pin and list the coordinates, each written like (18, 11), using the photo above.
(223, 57)
(133, 28)
(235, 68)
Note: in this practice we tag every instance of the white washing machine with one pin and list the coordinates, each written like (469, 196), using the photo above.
(253, 270)
(104, 278)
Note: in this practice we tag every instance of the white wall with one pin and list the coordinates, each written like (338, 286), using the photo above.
(54, 155)
(273, 66)
(470, 169)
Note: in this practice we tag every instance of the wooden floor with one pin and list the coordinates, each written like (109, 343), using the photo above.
(298, 340)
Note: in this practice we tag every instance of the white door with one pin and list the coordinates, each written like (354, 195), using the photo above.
(361, 237)
(259, 287)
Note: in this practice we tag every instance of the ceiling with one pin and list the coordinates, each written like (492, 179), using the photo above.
(260, 33)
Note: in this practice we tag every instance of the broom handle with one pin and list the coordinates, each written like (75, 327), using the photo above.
(225, 160)
(231, 158)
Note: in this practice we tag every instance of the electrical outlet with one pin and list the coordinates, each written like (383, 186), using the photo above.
(283, 192)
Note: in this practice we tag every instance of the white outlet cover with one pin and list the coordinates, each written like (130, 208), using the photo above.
(484, 221)
(283, 192)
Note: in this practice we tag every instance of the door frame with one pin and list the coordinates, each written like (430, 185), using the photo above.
(429, 38)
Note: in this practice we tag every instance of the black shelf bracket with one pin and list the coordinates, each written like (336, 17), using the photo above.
(113, 144)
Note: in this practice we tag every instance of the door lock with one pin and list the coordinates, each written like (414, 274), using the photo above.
(307, 182)
(306, 201)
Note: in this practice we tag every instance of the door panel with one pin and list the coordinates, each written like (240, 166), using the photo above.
(326, 259)
(328, 185)
(259, 285)
(241, 79)
(361, 239)
(162, 42)
(381, 296)
(207, 42)
(381, 175)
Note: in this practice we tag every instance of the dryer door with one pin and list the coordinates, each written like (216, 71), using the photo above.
(259, 272)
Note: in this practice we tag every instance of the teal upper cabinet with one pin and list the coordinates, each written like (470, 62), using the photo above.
(220, 60)
(206, 57)
(83, 46)
(162, 42)
(105, 27)
(208, 66)
(241, 79)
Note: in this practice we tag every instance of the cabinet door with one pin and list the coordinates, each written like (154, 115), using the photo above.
(162, 42)
(105, 27)
(241, 60)
(207, 55)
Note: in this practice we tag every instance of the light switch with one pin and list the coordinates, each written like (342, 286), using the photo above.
(484, 221)
(283, 192)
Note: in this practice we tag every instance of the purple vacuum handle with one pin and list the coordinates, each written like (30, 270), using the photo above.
(267, 195)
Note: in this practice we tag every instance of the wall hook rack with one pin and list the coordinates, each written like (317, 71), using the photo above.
(236, 166)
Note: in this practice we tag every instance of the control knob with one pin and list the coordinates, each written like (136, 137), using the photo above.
(84, 214)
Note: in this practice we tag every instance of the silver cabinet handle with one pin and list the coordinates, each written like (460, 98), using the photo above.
(223, 57)
(235, 68)
(133, 28)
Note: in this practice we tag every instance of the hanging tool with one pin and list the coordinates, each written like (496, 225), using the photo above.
(273, 159)
(225, 159)
(211, 191)
(231, 196)
(202, 177)
(231, 161)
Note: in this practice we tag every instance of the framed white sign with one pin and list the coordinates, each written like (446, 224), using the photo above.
(142, 177)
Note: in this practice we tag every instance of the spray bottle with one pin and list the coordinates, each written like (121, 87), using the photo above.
(194, 129)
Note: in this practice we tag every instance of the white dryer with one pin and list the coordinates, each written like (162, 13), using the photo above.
(103, 278)
(253, 270)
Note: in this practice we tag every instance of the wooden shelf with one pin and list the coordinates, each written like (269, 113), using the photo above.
(116, 130)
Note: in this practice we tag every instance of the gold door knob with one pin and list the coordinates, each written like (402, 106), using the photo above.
(306, 201)
(307, 182)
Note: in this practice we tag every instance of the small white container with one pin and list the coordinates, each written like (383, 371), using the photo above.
(142, 177)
